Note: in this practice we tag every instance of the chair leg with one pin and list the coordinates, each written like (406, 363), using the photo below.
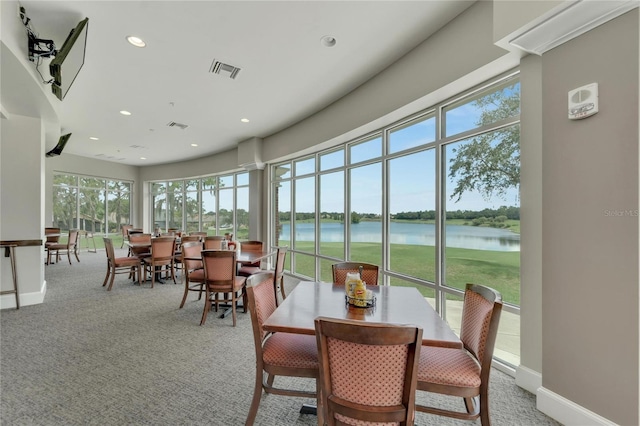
(107, 276)
(207, 305)
(75, 252)
(184, 298)
(233, 307)
(257, 394)
(113, 276)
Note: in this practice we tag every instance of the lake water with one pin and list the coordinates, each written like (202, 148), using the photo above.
(470, 237)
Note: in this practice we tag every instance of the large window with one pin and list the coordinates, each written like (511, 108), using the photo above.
(90, 204)
(215, 204)
(433, 200)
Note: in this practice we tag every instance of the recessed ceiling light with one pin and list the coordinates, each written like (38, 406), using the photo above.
(136, 41)
(123, 112)
(328, 41)
(93, 138)
(244, 120)
(194, 144)
(143, 158)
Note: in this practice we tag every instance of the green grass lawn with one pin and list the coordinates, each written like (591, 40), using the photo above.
(496, 269)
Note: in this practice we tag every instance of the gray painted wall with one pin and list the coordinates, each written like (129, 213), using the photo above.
(590, 252)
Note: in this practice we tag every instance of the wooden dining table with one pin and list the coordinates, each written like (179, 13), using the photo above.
(393, 305)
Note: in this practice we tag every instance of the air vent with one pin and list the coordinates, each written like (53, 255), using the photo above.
(137, 147)
(179, 125)
(223, 69)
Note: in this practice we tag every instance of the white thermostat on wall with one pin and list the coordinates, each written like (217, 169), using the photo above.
(583, 101)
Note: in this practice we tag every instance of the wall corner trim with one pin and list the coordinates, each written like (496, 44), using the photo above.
(568, 412)
(528, 379)
(8, 301)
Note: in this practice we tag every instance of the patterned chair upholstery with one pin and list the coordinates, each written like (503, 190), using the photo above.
(368, 371)
(277, 354)
(369, 272)
(246, 270)
(119, 265)
(220, 278)
(465, 372)
(162, 254)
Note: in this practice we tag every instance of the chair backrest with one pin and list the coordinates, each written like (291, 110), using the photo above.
(480, 319)
(53, 239)
(108, 248)
(125, 230)
(251, 245)
(163, 248)
(368, 371)
(278, 272)
(213, 242)
(219, 268)
(73, 238)
(369, 272)
(191, 249)
(191, 238)
(140, 238)
(262, 302)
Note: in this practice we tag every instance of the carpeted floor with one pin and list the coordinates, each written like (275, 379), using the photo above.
(131, 357)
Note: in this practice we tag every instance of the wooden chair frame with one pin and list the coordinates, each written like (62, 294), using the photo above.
(119, 265)
(369, 272)
(192, 281)
(221, 281)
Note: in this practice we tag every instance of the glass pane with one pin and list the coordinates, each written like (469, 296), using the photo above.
(159, 205)
(427, 292)
(332, 160)
(65, 202)
(282, 207)
(282, 171)
(92, 207)
(365, 150)
(305, 210)
(65, 180)
(326, 273)
(226, 181)
(412, 185)
(174, 204)
(507, 346)
(332, 215)
(192, 211)
(483, 212)
(209, 207)
(119, 207)
(453, 311)
(242, 214)
(366, 214)
(242, 179)
(486, 107)
(87, 182)
(191, 185)
(305, 265)
(225, 211)
(210, 183)
(304, 167)
(116, 185)
(412, 135)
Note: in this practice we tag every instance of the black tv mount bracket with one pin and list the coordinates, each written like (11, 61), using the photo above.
(41, 48)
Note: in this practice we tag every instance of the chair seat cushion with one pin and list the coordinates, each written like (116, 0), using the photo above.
(196, 275)
(238, 284)
(247, 270)
(127, 261)
(446, 366)
(290, 350)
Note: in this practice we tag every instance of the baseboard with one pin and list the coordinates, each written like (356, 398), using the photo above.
(528, 379)
(567, 412)
(8, 301)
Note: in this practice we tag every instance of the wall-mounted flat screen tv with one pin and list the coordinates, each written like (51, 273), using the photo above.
(68, 61)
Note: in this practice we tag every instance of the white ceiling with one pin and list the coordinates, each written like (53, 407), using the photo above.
(286, 73)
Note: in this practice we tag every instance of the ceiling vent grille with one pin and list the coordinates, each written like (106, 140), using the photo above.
(223, 69)
(176, 124)
(137, 147)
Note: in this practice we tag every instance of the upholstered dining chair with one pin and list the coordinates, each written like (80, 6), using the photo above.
(213, 242)
(71, 246)
(368, 273)
(250, 268)
(277, 354)
(140, 245)
(193, 269)
(367, 371)
(465, 372)
(119, 265)
(162, 254)
(52, 236)
(125, 233)
(220, 278)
